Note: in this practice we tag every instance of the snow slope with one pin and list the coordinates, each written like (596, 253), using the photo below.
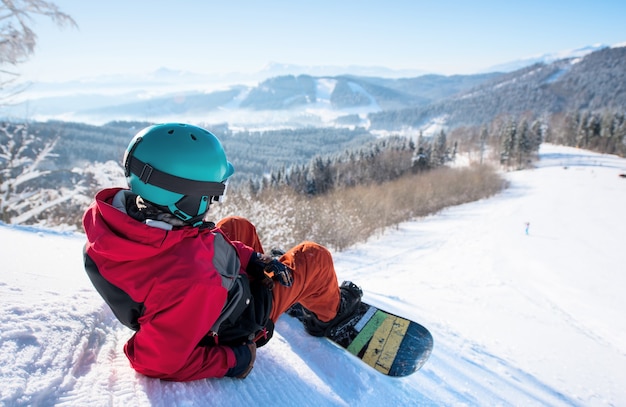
(517, 319)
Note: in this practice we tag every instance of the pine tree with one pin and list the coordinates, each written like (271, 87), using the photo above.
(607, 132)
(524, 146)
(582, 132)
(439, 154)
(509, 142)
(484, 135)
(537, 131)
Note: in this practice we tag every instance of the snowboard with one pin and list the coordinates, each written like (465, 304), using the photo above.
(393, 345)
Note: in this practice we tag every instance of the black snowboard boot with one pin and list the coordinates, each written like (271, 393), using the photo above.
(349, 301)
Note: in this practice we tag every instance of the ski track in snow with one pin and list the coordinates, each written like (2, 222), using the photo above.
(517, 320)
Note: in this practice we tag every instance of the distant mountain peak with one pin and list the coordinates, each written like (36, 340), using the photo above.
(278, 69)
(619, 45)
(545, 58)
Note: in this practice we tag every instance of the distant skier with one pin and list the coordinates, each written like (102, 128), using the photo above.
(201, 297)
(527, 224)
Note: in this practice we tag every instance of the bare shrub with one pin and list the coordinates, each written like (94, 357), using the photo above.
(350, 215)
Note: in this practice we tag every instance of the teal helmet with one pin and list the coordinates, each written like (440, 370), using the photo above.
(179, 167)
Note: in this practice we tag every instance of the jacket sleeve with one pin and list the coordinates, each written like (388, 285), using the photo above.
(166, 345)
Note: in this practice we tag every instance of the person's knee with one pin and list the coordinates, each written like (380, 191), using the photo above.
(313, 249)
(236, 221)
(312, 256)
(241, 229)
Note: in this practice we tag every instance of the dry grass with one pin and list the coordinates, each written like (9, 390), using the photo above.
(348, 216)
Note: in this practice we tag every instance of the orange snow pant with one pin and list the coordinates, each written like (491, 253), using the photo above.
(315, 283)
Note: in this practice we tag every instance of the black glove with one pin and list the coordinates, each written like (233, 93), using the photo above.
(263, 266)
(279, 272)
(245, 355)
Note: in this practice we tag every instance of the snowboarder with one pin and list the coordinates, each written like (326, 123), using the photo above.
(200, 297)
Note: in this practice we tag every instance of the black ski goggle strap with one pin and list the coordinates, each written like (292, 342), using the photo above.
(150, 175)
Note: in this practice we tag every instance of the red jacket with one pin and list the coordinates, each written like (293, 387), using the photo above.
(172, 273)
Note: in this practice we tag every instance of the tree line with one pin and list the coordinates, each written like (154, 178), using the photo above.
(601, 131)
(376, 162)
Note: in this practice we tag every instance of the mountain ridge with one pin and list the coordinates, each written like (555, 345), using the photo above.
(303, 100)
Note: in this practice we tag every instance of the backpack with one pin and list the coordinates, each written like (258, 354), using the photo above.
(248, 321)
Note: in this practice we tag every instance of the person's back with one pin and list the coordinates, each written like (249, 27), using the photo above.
(200, 299)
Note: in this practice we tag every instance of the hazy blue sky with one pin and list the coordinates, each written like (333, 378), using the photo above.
(443, 36)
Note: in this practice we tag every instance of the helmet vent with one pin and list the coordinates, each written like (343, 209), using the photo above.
(194, 138)
(170, 132)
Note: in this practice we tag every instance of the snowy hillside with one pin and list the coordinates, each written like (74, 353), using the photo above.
(517, 319)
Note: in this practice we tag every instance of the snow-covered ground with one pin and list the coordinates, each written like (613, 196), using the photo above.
(517, 319)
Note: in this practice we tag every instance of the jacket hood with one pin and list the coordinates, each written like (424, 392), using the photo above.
(115, 235)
